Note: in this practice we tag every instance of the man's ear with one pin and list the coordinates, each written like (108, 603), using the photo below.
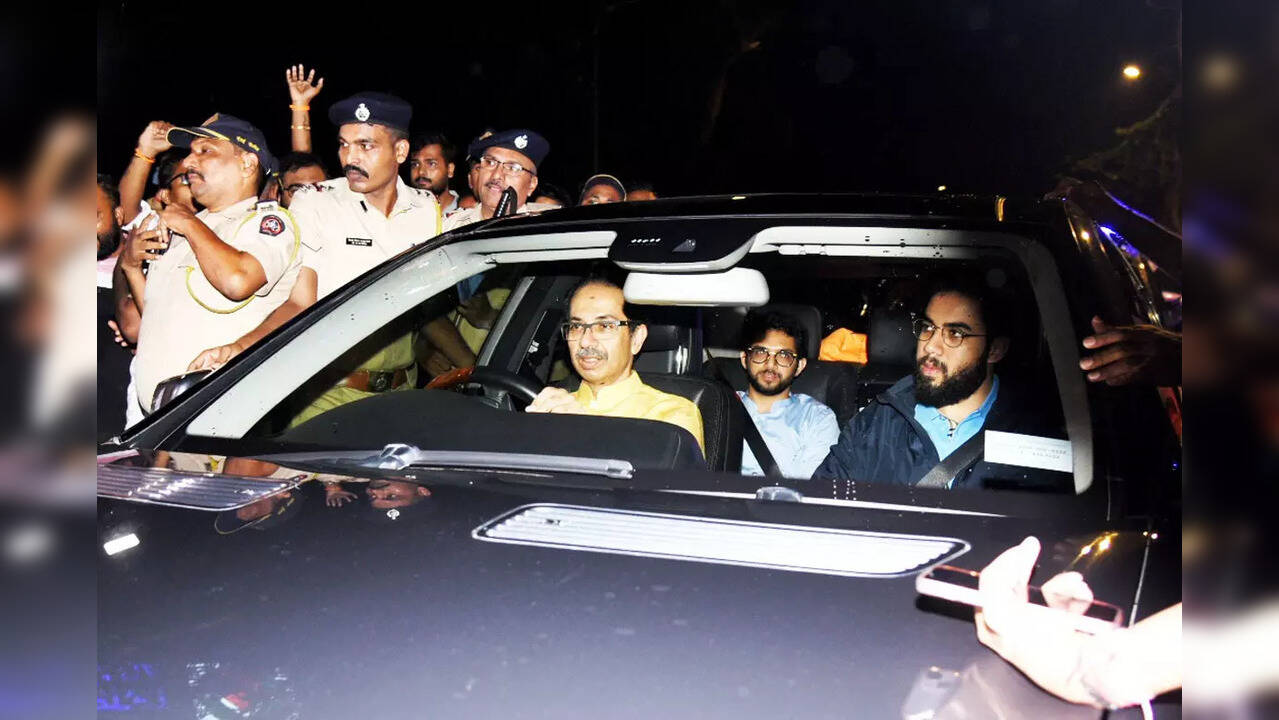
(742, 354)
(998, 349)
(163, 196)
(799, 367)
(638, 335)
(249, 164)
(423, 490)
(401, 151)
(532, 186)
(452, 167)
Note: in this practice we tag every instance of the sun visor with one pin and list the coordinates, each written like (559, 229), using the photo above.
(684, 247)
(738, 286)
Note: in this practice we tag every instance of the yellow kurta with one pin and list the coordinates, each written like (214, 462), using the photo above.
(631, 398)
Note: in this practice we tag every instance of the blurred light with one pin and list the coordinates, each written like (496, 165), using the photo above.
(120, 544)
(29, 543)
(739, 197)
(1085, 235)
(941, 188)
(1154, 536)
(1220, 72)
(1104, 545)
(1132, 72)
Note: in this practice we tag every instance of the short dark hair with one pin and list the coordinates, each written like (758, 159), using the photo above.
(168, 166)
(397, 134)
(759, 323)
(637, 185)
(994, 303)
(434, 137)
(109, 187)
(554, 191)
(298, 160)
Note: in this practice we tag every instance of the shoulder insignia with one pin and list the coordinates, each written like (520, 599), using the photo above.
(271, 225)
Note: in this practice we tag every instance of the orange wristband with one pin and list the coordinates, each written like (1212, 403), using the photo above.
(303, 108)
(138, 154)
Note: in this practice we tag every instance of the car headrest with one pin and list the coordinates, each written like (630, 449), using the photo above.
(665, 338)
(891, 341)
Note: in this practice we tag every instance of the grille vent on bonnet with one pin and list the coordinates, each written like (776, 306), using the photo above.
(178, 488)
(728, 542)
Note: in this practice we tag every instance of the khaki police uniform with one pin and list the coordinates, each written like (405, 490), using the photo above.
(343, 236)
(185, 315)
(472, 215)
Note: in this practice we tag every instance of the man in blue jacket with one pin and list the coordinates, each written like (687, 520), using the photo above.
(953, 395)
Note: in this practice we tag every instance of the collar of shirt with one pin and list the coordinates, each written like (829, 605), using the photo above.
(609, 395)
(938, 426)
(779, 406)
(209, 217)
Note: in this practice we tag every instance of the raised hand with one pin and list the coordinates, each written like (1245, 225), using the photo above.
(155, 138)
(301, 89)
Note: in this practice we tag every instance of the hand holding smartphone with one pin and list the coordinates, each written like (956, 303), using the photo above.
(960, 585)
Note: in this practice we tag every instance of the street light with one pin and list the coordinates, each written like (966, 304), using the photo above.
(941, 188)
(1132, 72)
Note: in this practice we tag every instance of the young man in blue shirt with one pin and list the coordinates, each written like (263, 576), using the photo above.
(798, 429)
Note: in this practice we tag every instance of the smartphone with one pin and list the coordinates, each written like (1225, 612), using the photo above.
(960, 585)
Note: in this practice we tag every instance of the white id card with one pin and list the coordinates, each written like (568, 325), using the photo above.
(1030, 451)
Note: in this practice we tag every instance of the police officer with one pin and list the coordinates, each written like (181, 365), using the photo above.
(216, 274)
(357, 221)
(501, 160)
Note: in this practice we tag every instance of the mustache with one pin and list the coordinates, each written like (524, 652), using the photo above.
(938, 363)
(590, 352)
(346, 169)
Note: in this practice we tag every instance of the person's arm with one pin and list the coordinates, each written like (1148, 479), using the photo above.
(141, 245)
(233, 272)
(818, 435)
(128, 316)
(445, 338)
(133, 184)
(301, 91)
(302, 297)
(841, 460)
(1122, 667)
(1132, 354)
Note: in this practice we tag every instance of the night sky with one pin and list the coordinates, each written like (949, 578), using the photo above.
(825, 95)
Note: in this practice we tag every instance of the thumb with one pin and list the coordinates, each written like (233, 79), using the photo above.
(1099, 325)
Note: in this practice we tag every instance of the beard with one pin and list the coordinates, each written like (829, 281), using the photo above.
(108, 241)
(953, 388)
(783, 383)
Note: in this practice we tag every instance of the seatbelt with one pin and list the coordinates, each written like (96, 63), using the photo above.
(753, 439)
(956, 462)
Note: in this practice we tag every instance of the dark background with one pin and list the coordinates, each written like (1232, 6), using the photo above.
(827, 95)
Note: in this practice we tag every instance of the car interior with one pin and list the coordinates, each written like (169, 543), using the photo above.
(691, 351)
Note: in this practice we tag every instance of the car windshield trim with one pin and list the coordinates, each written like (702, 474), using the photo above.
(396, 456)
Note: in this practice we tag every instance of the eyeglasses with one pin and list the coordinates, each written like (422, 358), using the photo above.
(760, 355)
(601, 329)
(180, 178)
(951, 336)
(488, 162)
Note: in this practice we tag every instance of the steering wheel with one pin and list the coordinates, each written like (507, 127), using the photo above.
(517, 385)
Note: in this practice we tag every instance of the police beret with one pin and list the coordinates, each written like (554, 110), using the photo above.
(374, 108)
(240, 133)
(532, 145)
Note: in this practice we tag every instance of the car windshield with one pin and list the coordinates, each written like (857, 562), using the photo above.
(867, 361)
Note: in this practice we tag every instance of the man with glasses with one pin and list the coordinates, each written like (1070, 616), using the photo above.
(603, 342)
(953, 396)
(297, 171)
(501, 160)
(798, 429)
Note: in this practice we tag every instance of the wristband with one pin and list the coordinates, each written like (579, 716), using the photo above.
(138, 154)
(299, 127)
(303, 108)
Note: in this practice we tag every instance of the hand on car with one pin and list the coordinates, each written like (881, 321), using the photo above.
(555, 400)
(478, 311)
(1132, 354)
(335, 496)
(214, 358)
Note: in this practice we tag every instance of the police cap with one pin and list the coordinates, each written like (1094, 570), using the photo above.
(374, 108)
(527, 142)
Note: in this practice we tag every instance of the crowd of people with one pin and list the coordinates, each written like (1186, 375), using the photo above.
(228, 241)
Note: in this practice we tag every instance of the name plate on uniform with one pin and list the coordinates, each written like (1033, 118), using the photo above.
(362, 242)
(1028, 451)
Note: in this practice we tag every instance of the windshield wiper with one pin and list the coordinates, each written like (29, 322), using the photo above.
(397, 457)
